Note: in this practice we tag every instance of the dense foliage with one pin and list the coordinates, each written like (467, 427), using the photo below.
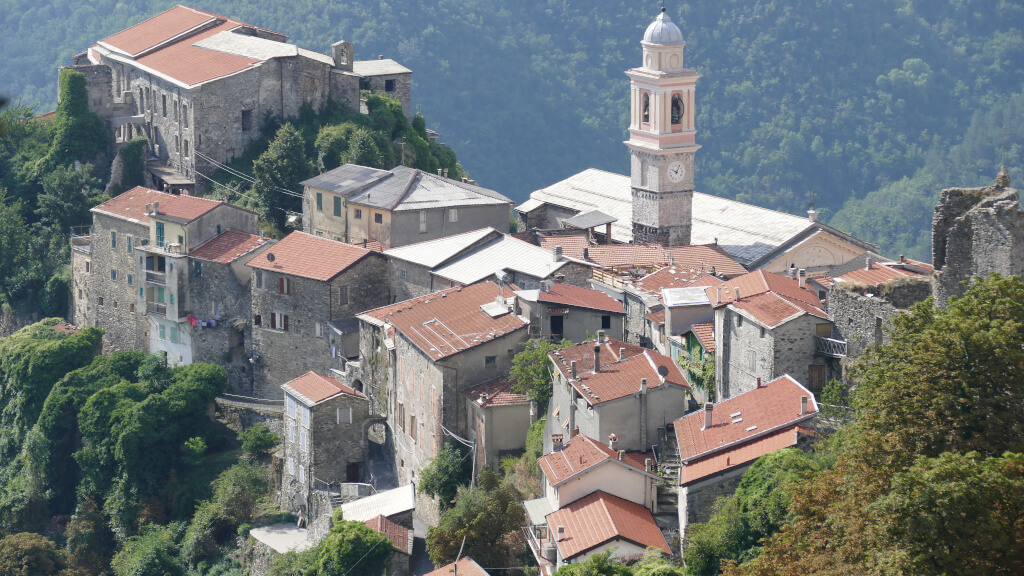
(531, 370)
(449, 470)
(349, 548)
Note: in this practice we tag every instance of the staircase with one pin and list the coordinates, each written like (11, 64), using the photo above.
(667, 517)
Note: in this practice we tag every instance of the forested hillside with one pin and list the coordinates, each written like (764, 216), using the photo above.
(872, 105)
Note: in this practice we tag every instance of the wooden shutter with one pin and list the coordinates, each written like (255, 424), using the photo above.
(285, 322)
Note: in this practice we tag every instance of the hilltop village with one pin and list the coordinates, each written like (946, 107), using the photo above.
(690, 335)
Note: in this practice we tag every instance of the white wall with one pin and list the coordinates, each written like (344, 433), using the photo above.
(611, 478)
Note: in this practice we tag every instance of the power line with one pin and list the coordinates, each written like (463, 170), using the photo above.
(244, 176)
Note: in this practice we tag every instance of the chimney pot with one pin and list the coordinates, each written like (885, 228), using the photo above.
(586, 254)
(867, 263)
(597, 357)
(737, 291)
(156, 208)
(613, 441)
(802, 277)
(648, 464)
(561, 533)
(572, 369)
(622, 455)
(622, 352)
(380, 57)
(708, 413)
(758, 381)
(803, 405)
(556, 253)
(812, 215)
(643, 386)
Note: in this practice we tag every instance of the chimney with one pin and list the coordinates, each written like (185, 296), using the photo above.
(572, 369)
(483, 398)
(812, 215)
(380, 57)
(600, 336)
(792, 271)
(556, 441)
(867, 263)
(758, 381)
(597, 357)
(801, 277)
(586, 254)
(613, 441)
(719, 295)
(736, 291)
(561, 534)
(643, 386)
(556, 253)
(156, 208)
(648, 464)
(803, 405)
(622, 352)
(622, 455)
(708, 412)
(902, 259)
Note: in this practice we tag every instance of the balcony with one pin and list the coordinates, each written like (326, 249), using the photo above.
(541, 546)
(159, 278)
(829, 347)
(81, 239)
(157, 308)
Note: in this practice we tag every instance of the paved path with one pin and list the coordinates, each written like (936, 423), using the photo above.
(283, 537)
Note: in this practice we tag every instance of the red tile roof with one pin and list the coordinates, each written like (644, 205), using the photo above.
(371, 245)
(316, 387)
(656, 317)
(400, 536)
(583, 354)
(572, 244)
(739, 455)
(158, 29)
(600, 518)
(879, 274)
(697, 257)
(580, 454)
(229, 246)
(451, 321)
(674, 277)
(499, 393)
(770, 298)
(620, 378)
(705, 333)
(131, 205)
(566, 295)
(464, 567)
(308, 256)
(768, 409)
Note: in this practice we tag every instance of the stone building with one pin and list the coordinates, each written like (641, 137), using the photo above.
(976, 231)
(484, 255)
(201, 86)
(324, 440)
(718, 444)
(768, 325)
(559, 311)
(306, 292)
(606, 387)
(173, 277)
(398, 206)
(439, 345)
(497, 419)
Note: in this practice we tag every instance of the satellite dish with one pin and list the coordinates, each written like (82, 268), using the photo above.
(663, 371)
(270, 256)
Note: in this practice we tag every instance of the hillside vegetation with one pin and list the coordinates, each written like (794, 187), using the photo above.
(868, 107)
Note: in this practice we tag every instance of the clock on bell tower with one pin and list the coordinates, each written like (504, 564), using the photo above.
(662, 137)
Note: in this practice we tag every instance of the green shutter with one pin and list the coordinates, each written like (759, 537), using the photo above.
(337, 205)
(319, 202)
(160, 234)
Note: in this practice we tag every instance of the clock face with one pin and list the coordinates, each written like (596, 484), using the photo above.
(676, 171)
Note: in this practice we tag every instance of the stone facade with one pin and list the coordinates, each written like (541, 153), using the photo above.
(400, 88)
(308, 342)
(697, 502)
(976, 231)
(866, 318)
(637, 327)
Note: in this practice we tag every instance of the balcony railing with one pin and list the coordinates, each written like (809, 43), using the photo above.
(158, 308)
(537, 539)
(829, 347)
(156, 278)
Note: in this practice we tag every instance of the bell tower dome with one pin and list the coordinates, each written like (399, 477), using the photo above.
(662, 133)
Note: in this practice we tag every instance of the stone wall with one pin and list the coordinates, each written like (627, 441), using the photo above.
(217, 293)
(112, 304)
(863, 319)
(402, 91)
(976, 231)
(636, 325)
(416, 282)
(81, 272)
(697, 502)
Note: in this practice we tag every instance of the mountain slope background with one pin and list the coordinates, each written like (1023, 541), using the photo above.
(866, 108)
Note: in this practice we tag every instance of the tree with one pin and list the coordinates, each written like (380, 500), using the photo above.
(531, 370)
(89, 540)
(654, 563)
(133, 157)
(599, 564)
(28, 554)
(258, 440)
(80, 134)
(449, 470)
(488, 516)
(332, 142)
(152, 553)
(364, 150)
(350, 545)
(65, 200)
(278, 171)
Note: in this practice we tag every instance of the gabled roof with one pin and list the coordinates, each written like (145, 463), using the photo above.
(433, 253)
(879, 273)
(463, 567)
(620, 378)
(583, 453)
(587, 220)
(583, 354)
(769, 298)
(308, 256)
(402, 188)
(697, 259)
(501, 253)
(674, 277)
(312, 388)
(566, 295)
(742, 419)
(705, 333)
(379, 67)
(131, 205)
(600, 518)
(387, 503)
(452, 321)
(496, 392)
(228, 246)
(400, 536)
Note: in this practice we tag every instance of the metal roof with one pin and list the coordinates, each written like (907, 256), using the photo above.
(346, 179)
(381, 67)
(435, 252)
(537, 510)
(689, 296)
(402, 188)
(590, 219)
(387, 503)
(502, 253)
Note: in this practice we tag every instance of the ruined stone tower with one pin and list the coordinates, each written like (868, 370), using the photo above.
(662, 137)
(976, 231)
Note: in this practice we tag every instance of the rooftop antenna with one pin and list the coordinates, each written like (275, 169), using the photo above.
(813, 196)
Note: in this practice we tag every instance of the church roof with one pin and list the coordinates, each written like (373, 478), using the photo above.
(663, 31)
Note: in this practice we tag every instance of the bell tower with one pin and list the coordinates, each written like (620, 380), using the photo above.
(662, 134)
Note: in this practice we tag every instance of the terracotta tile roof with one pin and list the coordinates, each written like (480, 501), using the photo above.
(770, 298)
(371, 245)
(656, 317)
(705, 333)
(192, 65)
(131, 205)
(499, 393)
(567, 295)
(878, 274)
(572, 244)
(400, 536)
(464, 567)
(451, 321)
(308, 256)
(600, 518)
(620, 378)
(230, 245)
(157, 30)
(583, 354)
(738, 455)
(699, 257)
(581, 454)
(674, 277)
(316, 388)
(743, 418)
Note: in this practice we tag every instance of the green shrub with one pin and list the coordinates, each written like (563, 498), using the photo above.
(258, 440)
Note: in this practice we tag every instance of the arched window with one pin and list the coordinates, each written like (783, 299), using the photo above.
(677, 109)
(646, 117)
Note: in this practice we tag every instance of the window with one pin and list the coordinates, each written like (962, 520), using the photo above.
(259, 278)
(302, 440)
(763, 332)
(453, 214)
(246, 120)
(284, 285)
(378, 218)
(185, 146)
(99, 300)
(302, 473)
(184, 115)
(279, 321)
(128, 243)
(163, 105)
(401, 273)
(646, 109)
(113, 274)
(291, 429)
(401, 416)
(257, 320)
(319, 202)
(130, 279)
(337, 205)
(490, 361)
(389, 85)
(423, 221)
(218, 229)
(163, 332)
(319, 330)
(606, 322)
(197, 268)
(160, 234)
(291, 466)
(113, 239)
(88, 267)
(291, 407)
(181, 241)
(345, 415)
(305, 416)
(358, 214)
(174, 335)
(739, 320)
(172, 298)
(342, 295)
(412, 428)
(677, 109)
